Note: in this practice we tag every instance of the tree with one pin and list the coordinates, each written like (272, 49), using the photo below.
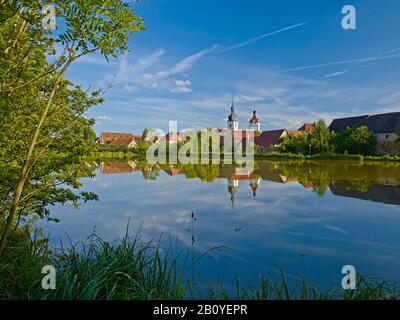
(43, 131)
(320, 137)
(144, 142)
(295, 144)
(355, 141)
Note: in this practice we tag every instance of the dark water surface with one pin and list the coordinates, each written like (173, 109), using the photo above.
(310, 219)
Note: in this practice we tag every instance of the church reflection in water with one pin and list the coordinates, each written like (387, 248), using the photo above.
(378, 183)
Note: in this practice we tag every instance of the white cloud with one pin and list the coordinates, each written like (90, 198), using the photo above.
(186, 63)
(182, 86)
(104, 117)
(132, 77)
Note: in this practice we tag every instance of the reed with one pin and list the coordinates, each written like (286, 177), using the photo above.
(131, 269)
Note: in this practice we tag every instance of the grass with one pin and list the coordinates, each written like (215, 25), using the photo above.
(90, 270)
(129, 154)
(131, 269)
(327, 156)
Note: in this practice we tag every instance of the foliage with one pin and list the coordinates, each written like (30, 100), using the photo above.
(322, 141)
(355, 141)
(43, 133)
(320, 137)
(145, 141)
(296, 144)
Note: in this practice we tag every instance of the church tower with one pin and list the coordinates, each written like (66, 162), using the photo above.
(254, 123)
(233, 186)
(233, 121)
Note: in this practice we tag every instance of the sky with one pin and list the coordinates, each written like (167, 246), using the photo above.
(289, 60)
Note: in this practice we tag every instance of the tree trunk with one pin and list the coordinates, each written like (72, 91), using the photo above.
(26, 166)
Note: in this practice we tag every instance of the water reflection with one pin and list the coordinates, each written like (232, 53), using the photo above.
(309, 218)
(378, 183)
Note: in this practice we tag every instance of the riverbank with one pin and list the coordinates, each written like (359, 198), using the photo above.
(327, 156)
(132, 269)
(129, 155)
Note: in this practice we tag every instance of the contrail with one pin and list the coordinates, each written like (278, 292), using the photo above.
(351, 61)
(382, 54)
(255, 39)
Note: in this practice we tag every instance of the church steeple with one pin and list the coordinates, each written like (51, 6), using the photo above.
(254, 123)
(233, 121)
(233, 185)
(254, 184)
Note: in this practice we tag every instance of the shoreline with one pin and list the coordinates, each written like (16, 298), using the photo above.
(129, 155)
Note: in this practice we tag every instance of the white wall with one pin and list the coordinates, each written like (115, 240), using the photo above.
(386, 137)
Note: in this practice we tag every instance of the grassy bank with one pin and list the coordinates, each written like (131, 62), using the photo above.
(129, 155)
(327, 156)
(132, 269)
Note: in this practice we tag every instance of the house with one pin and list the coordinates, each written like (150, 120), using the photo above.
(172, 137)
(294, 133)
(173, 171)
(339, 125)
(117, 167)
(270, 140)
(376, 193)
(117, 140)
(307, 127)
(386, 126)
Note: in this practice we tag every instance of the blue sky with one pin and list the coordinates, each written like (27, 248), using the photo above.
(291, 60)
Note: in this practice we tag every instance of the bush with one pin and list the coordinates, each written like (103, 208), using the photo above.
(355, 141)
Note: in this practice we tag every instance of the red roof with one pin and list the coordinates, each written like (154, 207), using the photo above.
(244, 177)
(172, 171)
(269, 138)
(254, 118)
(118, 139)
(116, 167)
(294, 133)
(172, 137)
(308, 127)
(238, 135)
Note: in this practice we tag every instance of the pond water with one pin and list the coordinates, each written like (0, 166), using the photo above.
(310, 219)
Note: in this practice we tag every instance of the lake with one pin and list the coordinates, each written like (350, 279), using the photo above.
(310, 218)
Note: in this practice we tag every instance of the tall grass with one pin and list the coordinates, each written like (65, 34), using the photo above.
(92, 270)
(132, 269)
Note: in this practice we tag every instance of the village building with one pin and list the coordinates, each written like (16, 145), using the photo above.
(267, 141)
(172, 137)
(119, 140)
(386, 126)
(118, 167)
(307, 127)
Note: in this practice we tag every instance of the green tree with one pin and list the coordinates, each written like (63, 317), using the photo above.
(144, 142)
(320, 137)
(295, 144)
(43, 131)
(355, 141)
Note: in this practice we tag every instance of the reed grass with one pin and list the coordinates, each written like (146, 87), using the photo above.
(131, 269)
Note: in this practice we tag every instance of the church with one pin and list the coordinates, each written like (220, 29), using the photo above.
(233, 120)
(267, 141)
